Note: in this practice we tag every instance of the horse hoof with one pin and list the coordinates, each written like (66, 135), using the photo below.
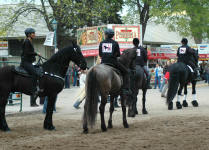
(6, 129)
(178, 105)
(85, 131)
(110, 124)
(195, 103)
(104, 129)
(144, 111)
(50, 128)
(170, 106)
(125, 124)
(185, 104)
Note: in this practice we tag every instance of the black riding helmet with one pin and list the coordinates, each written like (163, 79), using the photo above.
(29, 31)
(136, 42)
(184, 41)
(110, 33)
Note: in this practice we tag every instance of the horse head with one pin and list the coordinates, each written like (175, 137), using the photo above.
(78, 57)
(128, 58)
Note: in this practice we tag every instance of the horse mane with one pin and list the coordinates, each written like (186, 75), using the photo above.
(59, 62)
(128, 57)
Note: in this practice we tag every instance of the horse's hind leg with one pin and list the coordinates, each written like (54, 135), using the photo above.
(111, 111)
(3, 122)
(144, 110)
(194, 102)
(185, 104)
(102, 110)
(178, 104)
(123, 104)
(49, 112)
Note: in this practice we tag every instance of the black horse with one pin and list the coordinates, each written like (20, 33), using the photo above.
(180, 76)
(52, 82)
(104, 80)
(138, 81)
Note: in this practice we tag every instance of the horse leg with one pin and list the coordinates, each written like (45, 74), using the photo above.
(194, 102)
(49, 112)
(178, 104)
(185, 104)
(123, 104)
(144, 110)
(132, 109)
(111, 111)
(3, 122)
(102, 110)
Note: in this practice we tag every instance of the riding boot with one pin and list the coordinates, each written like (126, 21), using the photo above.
(34, 94)
(197, 74)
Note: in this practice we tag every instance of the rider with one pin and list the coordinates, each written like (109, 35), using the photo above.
(109, 51)
(141, 60)
(27, 58)
(185, 54)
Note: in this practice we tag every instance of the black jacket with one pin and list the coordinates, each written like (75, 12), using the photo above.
(141, 58)
(185, 54)
(28, 53)
(109, 51)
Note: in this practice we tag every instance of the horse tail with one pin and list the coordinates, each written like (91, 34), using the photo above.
(92, 98)
(173, 83)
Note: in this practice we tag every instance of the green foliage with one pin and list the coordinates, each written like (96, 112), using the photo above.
(188, 17)
(70, 14)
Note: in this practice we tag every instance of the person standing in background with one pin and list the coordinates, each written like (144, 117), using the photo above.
(158, 74)
(67, 77)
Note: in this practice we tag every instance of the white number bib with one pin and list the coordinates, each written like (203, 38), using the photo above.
(107, 47)
(182, 50)
(138, 51)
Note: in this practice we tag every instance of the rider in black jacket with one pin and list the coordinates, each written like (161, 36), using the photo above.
(27, 58)
(141, 59)
(109, 51)
(185, 54)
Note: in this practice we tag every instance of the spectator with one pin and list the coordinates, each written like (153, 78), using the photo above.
(165, 69)
(67, 77)
(81, 96)
(158, 73)
(207, 73)
(75, 75)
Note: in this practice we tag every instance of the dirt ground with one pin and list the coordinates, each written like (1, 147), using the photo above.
(186, 129)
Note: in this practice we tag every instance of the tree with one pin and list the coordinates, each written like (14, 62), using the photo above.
(70, 15)
(188, 17)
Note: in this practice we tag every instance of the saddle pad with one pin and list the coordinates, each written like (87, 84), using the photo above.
(190, 68)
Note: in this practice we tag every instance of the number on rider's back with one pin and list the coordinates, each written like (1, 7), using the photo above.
(107, 47)
(182, 50)
(138, 52)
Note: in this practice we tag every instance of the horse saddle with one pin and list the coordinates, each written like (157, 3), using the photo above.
(20, 70)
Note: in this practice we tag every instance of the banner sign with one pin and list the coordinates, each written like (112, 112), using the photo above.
(126, 33)
(49, 39)
(3, 45)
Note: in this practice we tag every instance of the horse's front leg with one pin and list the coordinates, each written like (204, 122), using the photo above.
(49, 112)
(3, 122)
(102, 110)
(123, 104)
(111, 111)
